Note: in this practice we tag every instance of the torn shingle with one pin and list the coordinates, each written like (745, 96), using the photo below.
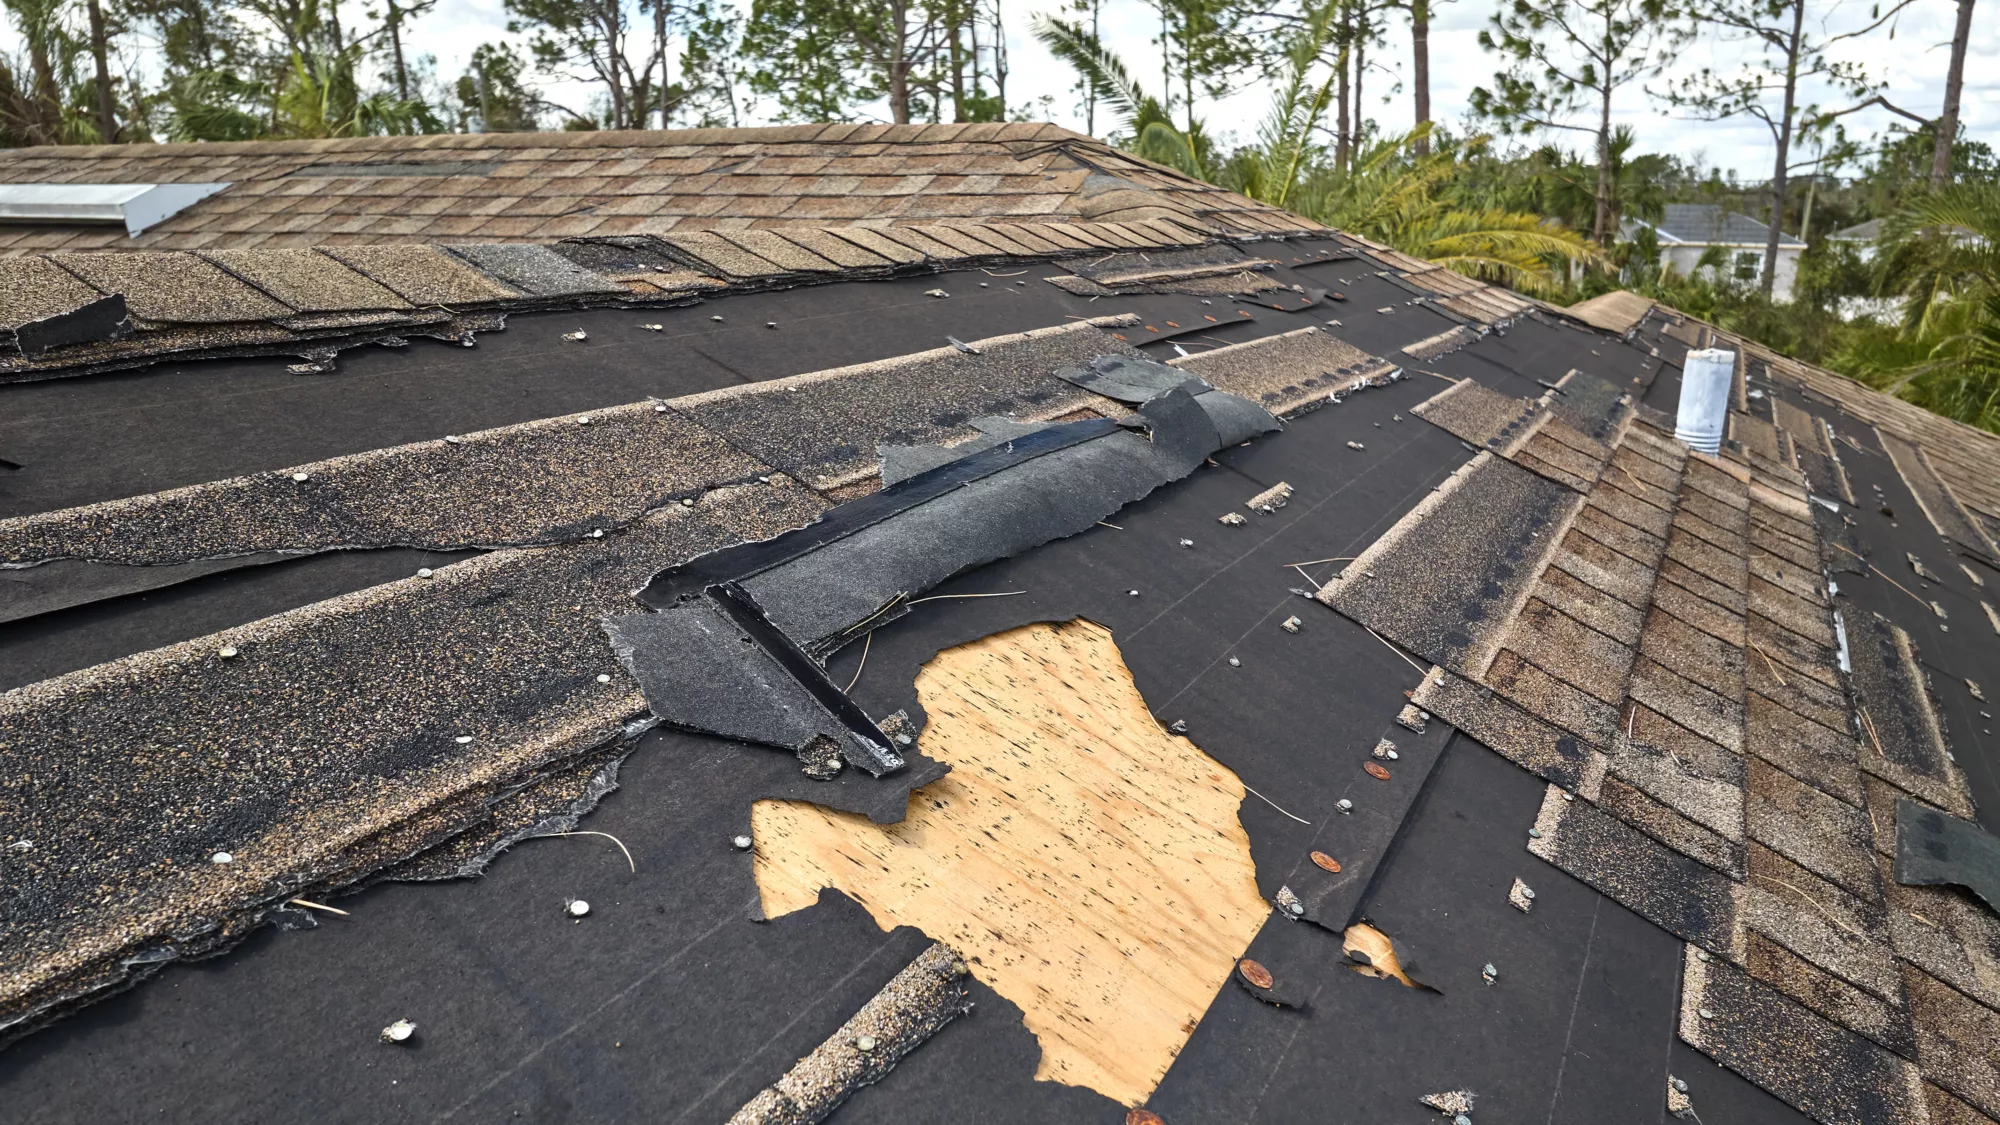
(1287, 372)
(546, 481)
(1933, 848)
(536, 270)
(1683, 896)
(1828, 1072)
(173, 288)
(1940, 506)
(1902, 739)
(929, 993)
(1533, 744)
(424, 275)
(1442, 580)
(324, 750)
(824, 427)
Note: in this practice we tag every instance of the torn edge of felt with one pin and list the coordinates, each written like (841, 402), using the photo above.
(737, 644)
(1933, 848)
(928, 994)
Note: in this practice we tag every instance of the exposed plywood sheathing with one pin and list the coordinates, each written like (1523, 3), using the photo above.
(1089, 865)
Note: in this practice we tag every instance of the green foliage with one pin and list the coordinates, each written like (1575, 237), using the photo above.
(491, 95)
(1142, 119)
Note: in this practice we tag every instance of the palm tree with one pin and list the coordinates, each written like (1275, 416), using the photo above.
(1140, 115)
(1941, 251)
(1397, 195)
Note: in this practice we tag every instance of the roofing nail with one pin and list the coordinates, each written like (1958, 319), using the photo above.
(463, 739)
(1132, 593)
(399, 1032)
(1187, 542)
(1290, 624)
(1254, 974)
(865, 1043)
(654, 327)
(1704, 1013)
(425, 572)
(741, 843)
(452, 439)
(603, 677)
(222, 857)
(300, 477)
(576, 907)
(687, 501)
(770, 324)
(1679, 1084)
(227, 652)
(716, 318)
(597, 533)
(1179, 726)
(1344, 805)
(1355, 445)
(659, 408)
(983, 285)
(1235, 663)
(1534, 833)
(1489, 972)
(577, 336)
(583, 421)
(936, 293)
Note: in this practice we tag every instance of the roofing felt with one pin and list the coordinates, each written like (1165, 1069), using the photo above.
(1658, 717)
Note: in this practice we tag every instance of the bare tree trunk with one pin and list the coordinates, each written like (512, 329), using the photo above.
(1954, 85)
(899, 64)
(1090, 88)
(666, 61)
(1360, 72)
(1784, 131)
(1602, 227)
(1420, 67)
(1343, 136)
(395, 22)
(954, 27)
(1000, 60)
(107, 118)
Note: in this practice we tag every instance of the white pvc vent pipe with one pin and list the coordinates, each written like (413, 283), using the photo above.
(1706, 379)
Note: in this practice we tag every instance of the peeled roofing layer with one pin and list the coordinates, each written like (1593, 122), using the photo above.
(247, 743)
(563, 478)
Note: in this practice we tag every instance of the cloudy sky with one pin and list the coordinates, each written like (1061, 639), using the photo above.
(1911, 63)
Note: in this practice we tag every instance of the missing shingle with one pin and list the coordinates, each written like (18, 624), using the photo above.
(983, 863)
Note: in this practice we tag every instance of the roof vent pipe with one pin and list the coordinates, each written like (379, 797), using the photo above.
(1706, 379)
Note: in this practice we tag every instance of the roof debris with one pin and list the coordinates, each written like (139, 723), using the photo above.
(577, 336)
(1290, 624)
(1521, 896)
(1271, 499)
(1231, 519)
(1453, 1101)
(399, 1032)
(1413, 717)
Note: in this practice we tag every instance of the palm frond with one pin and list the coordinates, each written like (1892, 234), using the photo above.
(1104, 71)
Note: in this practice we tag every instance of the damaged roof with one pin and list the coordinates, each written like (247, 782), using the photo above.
(1173, 663)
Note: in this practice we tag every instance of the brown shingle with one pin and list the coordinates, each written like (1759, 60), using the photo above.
(34, 288)
(424, 275)
(307, 280)
(173, 287)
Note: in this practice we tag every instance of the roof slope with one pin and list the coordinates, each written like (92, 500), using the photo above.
(758, 516)
(373, 191)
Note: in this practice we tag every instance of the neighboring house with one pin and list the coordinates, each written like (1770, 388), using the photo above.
(367, 521)
(1689, 230)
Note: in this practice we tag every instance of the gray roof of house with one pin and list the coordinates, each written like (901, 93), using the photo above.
(1707, 224)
